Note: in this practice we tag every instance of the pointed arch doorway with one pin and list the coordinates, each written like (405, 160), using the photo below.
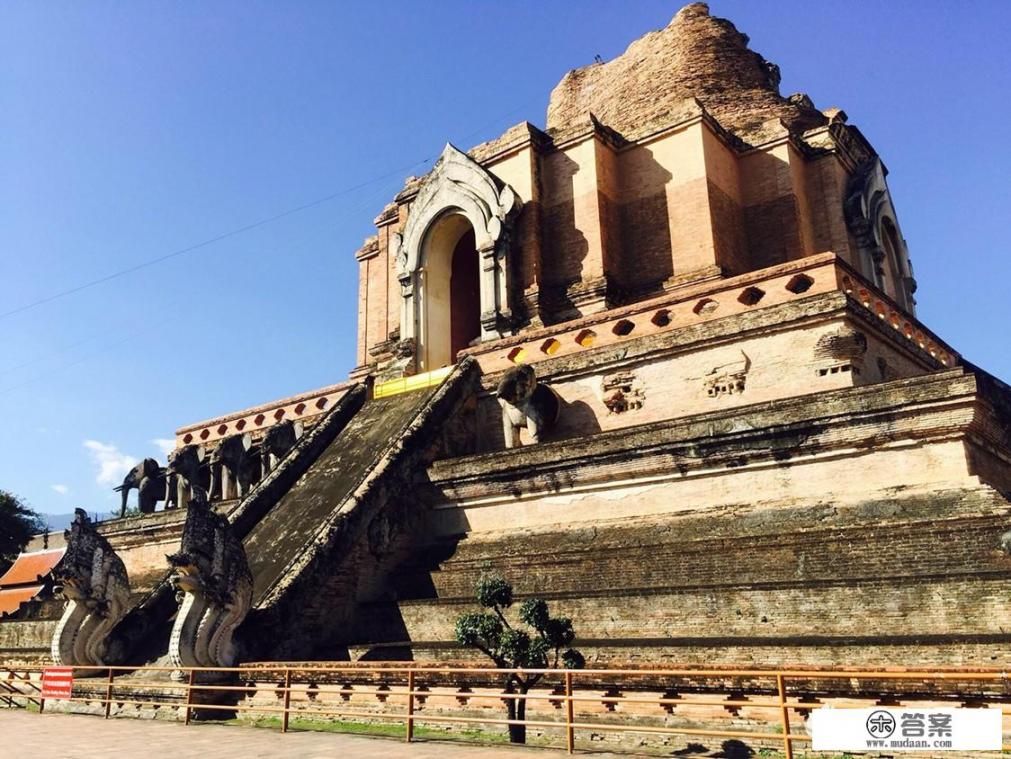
(450, 292)
(453, 261)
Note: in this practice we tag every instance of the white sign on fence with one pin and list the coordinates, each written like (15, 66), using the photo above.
(883, 728)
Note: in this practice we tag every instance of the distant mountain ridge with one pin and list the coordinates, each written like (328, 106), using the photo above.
(60, 522)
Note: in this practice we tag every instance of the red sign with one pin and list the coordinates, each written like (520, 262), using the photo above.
(57, 682)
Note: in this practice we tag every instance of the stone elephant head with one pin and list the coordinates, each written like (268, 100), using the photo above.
(278, 441)
(184, 473)
(1005, 542)
(234, 455)
(517, 385)
(526, 403)
(148, 478)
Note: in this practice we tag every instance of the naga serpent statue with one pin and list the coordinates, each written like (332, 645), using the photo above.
(93, 580)
(214, 585)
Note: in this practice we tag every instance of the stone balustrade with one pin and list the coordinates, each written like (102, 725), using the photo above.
(305, 406)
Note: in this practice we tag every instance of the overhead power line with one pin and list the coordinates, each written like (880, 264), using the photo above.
(81, 360)
(356, 207)
(238, 231)
(205, 243)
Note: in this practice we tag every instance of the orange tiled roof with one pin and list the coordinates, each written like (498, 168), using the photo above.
(12, 598)
(29, 567)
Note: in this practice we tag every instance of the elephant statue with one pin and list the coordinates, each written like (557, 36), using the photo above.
(525, 403)
(278, 441)
(1005, 542)
(148, 478)
(234, 461)
(184, 474)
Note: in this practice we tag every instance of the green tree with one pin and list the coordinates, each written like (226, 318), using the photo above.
(512, 647)
(17, 525)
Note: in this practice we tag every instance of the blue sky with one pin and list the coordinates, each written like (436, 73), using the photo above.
(131, 130)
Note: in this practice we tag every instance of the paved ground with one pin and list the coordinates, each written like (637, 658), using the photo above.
(66, 736)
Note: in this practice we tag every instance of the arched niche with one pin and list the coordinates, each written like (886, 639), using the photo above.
(458, 197)
(447, 292)
(882, 250)
(891, 244)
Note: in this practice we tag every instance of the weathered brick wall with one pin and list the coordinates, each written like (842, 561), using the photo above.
(780, 361)
(826, 185)
(645, 218)
(27, 640)
(728, 231)
(566, 206)
(668, 165)
(695, 55)
(919, 581)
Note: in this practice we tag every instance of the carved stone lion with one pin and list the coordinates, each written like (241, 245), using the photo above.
(93, 580)
(525, 403)
(213, 582)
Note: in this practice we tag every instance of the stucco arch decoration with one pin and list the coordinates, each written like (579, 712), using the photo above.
(868, 207)
(458, 184)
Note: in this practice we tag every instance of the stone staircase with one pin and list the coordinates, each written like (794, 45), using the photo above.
(332, 537)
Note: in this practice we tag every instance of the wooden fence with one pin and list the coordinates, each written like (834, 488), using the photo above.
(404, 688)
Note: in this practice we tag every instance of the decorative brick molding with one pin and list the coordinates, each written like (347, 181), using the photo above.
(711, 300)
(257, 420)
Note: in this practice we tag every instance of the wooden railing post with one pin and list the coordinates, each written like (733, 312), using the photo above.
(287, 699)
(570, 731)
(409, 733)
(23, 684)
(189, 696)
(9, 689)
(108, 693)
(784, 713)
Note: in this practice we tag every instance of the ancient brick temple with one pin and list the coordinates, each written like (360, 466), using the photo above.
(747, 450)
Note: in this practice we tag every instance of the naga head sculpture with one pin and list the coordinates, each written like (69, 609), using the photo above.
(81, 567)
(210, 557)
(94, 582)
(73, 573)
(213, 585)
(192, 563)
